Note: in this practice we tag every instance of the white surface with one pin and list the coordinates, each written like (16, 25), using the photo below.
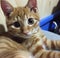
(51, 35)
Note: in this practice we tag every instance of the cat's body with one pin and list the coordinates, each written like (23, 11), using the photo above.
(41, 47)
(11, 49)
(22, 22)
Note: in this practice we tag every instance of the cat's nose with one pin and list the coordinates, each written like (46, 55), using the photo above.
(25, 32)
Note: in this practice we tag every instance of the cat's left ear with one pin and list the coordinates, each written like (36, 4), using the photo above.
(32, 4)
(6, 7)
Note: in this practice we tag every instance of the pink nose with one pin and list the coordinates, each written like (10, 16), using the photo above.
(25, 32)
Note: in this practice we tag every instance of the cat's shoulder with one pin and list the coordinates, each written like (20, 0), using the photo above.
(7, 38)
(4, 36)
(8, 41)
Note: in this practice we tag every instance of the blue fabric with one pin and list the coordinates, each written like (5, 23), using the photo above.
(45, 22)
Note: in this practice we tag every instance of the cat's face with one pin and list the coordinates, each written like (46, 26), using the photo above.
(22, 21)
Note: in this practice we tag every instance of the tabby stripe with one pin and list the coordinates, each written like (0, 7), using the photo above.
(7, 54)
(8, 44)
(55, 43)
(49, 43)
(57, 55)
(52, 45)
(33, 43)
(37, 55)
(37, 49)
(40, 53)
(58, 44)
(53, 55)
(48, 56)
(41, 56)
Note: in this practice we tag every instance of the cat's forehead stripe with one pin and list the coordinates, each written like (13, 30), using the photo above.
(21, 13)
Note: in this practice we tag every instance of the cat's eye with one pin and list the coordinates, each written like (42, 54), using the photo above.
(16, 24)
(30, 21)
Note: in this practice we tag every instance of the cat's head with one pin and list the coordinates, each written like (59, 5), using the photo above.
(21, 21)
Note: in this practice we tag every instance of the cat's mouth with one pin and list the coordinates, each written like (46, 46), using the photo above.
(25, 35)
(22, 35)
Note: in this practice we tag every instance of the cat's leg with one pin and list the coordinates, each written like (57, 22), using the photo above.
(51, 44)
(39, 52)
(47, 54)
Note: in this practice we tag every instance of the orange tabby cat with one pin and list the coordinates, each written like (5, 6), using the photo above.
(8, 47)
(22, 24)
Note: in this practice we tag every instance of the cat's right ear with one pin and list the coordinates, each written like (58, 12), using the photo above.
(32, 4)
(6, 7)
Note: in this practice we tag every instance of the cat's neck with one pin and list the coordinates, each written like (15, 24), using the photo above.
(37, 36)
(34, 41)
(39, 33)
(37, 39)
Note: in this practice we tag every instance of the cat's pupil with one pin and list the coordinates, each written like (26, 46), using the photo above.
(16, 24)
(30, 21)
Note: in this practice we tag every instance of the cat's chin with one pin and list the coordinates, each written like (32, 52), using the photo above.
(25, 37)
(21, 35)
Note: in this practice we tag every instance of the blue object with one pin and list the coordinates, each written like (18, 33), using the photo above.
(45, 22)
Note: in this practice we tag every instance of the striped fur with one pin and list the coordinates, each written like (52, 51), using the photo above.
(41, 47)
(23, 22)
(8, 47)
(11, 49)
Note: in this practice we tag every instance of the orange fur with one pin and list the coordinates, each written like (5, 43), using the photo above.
(22, 23)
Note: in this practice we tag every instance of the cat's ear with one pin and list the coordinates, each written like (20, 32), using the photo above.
(32, 4)
(6, 7)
